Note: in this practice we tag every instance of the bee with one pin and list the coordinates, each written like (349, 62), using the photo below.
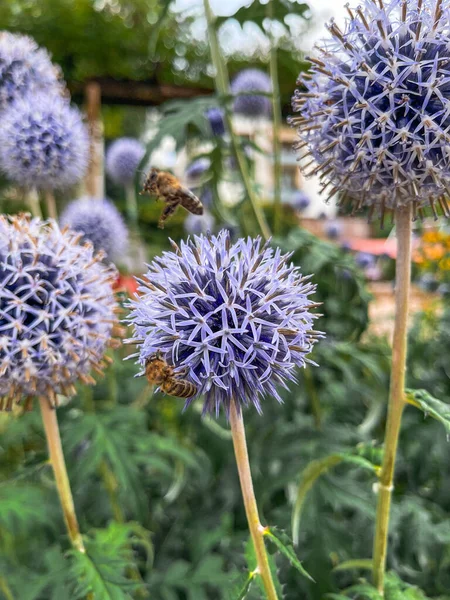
(166, 186)
(158, 372)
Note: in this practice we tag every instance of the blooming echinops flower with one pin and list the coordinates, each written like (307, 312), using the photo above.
(43, 143)
(123, 158)
(24, 68)
(57, 310)
(100, 223)
(375, 114)
(234, 319)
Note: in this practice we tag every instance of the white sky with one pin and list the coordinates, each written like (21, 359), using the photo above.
(321, 10)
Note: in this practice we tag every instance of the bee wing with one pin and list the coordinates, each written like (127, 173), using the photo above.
(190, 201)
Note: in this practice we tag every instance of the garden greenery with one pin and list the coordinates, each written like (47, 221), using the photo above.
(112, 491)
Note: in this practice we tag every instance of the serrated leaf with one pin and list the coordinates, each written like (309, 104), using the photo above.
(241, 587)
(430, 406)
(284, 544)
(252, 564)
(312, 472)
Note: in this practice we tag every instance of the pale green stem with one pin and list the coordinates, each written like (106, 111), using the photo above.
(4, 587)
(132, 206)
(51, 205)
(403, 220)
(276, 110)
(33, 203)
(222, 86)
(251, 508)
(59, 469)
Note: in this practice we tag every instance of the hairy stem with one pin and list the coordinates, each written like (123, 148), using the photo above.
(251, 508)
(222, 86)
(51, 205)
(276, 110)
(396, 394)
(59, 469)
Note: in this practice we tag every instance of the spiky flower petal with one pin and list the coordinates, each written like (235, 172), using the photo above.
(56, 310)
(122, 160)
(43, 143)
(248, 104)
(234, 319)
(100, 223)
(375, 115)
(24, 68)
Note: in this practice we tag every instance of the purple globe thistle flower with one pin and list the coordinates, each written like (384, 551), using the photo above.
(197, 168)
(123, 159)
(300, 200)
(207, 197)
(43, 143)
(100, 223)
(252, 105)
(364, 260)
(216, 121)
(234, 319)
(24, 68)
(375, 113)
(333, 230)
(56, 310)
(197, 224)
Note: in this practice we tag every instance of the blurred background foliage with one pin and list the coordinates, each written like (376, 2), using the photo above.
(156, 488)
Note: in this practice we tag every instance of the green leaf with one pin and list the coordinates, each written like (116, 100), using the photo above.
(312, 472)
(106, 570)
(357, 563)
(257, 12)
(430, 406)
(284, 544)
(241, 587)
(252, 564)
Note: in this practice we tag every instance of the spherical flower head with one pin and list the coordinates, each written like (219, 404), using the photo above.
(375, 115)
(300, 200)
(233, 319)
(123, 159)
(43, 143)
(252, 105)
(100, 223)
(364, 260)
(197, 224)
(56, 310)
(24, 68)
(216, 121)
(197, 168)
(333, 230)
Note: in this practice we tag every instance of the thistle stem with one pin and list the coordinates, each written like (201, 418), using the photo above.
(276, 125)
(33, 203)
(51, 205)
(132, 207)
(251, 508)
(59, 469)
(222, 86)
(396, 405)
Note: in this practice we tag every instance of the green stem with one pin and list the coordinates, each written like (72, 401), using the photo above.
(276, 110)
(248, 494)
(222, 86)
(59, 469)
(4, 587)
(33, 203)
(52, 212)
(396, 394)
(132, 206)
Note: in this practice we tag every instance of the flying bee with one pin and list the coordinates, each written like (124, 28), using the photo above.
(166, 186)
(158, 372)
